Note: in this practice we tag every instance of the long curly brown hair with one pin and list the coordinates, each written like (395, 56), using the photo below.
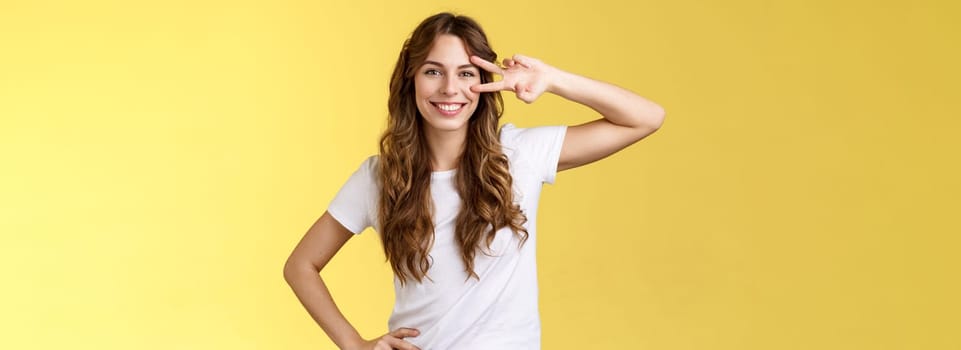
(483, 180)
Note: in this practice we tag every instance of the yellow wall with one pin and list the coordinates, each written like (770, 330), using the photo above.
(160, 160)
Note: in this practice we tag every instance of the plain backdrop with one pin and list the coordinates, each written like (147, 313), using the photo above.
(160, 159)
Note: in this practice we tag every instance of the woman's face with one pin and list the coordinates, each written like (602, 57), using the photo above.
(442, 85)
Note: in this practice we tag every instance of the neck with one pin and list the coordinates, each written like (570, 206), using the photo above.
(445, 147)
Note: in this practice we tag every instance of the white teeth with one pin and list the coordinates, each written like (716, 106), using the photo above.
(449, 108)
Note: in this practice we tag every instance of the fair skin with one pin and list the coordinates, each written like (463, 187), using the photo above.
(451, 77)
(626, 117)
(447, 88)
(444, 81)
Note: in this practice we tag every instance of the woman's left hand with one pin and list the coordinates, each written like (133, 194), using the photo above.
(525, 76)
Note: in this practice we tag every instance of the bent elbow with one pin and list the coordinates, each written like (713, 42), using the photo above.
(288, 271)
(294, 268)
(659, 119)
(651, 118)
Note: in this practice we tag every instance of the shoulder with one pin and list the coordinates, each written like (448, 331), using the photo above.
(534, 150)
(365, 175)
(370, 164)
(355, 204)
(524, 140)
(510, 134)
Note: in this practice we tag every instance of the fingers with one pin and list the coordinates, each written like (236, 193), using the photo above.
(530, 92)
(489, 87)
(399, 344)
(394, 339)
(404, 332)
(510, 62)
(519, 88)
(485, 65)
(388, 342)
(396, 343)
(522, 60)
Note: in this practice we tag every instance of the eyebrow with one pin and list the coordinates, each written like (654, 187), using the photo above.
(463, 66)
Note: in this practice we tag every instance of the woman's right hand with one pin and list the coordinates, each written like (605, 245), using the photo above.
(390, 341)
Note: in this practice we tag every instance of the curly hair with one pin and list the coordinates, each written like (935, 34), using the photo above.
(483, 180)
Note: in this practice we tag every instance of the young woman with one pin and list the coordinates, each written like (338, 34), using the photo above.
(454, 198)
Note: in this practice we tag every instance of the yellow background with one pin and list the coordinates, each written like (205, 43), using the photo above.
(160, 159)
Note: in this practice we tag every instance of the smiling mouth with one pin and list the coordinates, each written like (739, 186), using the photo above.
(448, 109)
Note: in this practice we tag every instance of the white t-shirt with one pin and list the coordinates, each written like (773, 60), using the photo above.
(498, 311)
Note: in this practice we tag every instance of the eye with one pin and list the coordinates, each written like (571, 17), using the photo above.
(432, 72)
(468, 74)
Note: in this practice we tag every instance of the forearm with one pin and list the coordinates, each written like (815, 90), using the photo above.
(618, 105)
(315, 297)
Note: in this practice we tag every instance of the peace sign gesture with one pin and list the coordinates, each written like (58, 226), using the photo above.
(525, 76)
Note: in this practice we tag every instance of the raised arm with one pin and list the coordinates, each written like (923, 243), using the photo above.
(626, 117)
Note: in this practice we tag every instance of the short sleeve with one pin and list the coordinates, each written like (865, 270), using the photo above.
(537, 149)
(354, 203)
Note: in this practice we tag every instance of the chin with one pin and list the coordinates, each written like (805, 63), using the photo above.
(445, 123)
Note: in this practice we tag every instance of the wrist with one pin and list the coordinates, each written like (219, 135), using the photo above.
(355, 342)
(351, 346)
(559, 81)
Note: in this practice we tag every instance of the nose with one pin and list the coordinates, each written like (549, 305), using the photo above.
(450, 86)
